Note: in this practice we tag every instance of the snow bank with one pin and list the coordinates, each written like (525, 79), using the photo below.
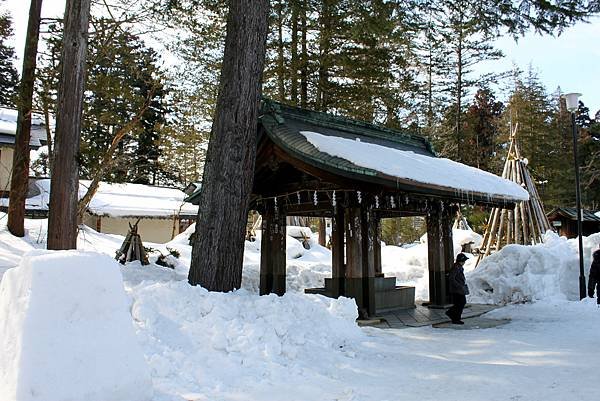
(66, 331)
(420, 168)
(519, 273)
(299, 232)
(203, 338)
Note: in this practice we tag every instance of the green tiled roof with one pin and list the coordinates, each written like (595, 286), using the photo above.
(341, 126)
(283, 125)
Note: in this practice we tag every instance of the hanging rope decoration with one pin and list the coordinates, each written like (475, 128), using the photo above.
(389, 201)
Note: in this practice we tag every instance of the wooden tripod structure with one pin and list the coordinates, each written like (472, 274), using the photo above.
(460, 223)
(527, 222)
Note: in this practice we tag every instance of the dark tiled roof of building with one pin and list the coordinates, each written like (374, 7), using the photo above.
(8, 129)
(571, 213)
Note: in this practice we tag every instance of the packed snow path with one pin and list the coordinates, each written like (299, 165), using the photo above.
(238, 346)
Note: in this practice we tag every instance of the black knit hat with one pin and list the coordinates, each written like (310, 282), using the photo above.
(461, 257)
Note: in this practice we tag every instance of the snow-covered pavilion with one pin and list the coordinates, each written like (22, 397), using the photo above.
(315, 164)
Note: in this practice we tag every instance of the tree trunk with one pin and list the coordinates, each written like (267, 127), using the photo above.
(46, 111)
(324, 56)
(217, 252)
(459, 77)
(280, 55)
(294, 56)
(322, 232)
(64, 187)
(304, 57)
(20, 166)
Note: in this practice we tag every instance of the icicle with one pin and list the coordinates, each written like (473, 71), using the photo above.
(359, 195)
(298, 195)
(376, 202)
(333, 200)
(315, 199)
(392, 203)
(276, 208)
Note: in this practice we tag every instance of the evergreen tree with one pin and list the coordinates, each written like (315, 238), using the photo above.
(481, 131)
(9, 78)
(589, 153)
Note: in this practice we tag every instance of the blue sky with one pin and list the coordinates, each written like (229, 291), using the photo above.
(571, 60)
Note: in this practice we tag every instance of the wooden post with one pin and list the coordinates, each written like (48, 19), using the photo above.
(436, 256)
(338, 267)
(360, 271)
(64, 187)
(448, 256)
(369, 230)
(377, 246)
(272, 253)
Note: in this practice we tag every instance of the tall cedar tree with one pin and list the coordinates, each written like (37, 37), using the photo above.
(20, 167)
(9, 77)
(64, 187)
(217, 252)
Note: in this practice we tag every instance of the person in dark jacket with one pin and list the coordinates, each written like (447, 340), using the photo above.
(458, 289)
(594, 279)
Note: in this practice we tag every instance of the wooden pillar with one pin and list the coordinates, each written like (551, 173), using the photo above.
(360, 267)
(377, 247)
(369, 227)
(338, 266)
(448, 246)
(272, 253)
(437, 255)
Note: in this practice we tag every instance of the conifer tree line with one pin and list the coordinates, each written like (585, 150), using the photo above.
(409, 65)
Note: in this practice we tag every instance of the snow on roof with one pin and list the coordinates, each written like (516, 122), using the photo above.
(416, 167)
(122, 200)
(8, 128)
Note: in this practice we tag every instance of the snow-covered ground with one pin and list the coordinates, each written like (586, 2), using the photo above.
(238, 346)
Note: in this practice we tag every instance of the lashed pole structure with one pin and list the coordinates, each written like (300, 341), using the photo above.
(527, 222)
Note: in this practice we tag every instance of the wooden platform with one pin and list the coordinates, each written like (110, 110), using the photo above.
(422, 316)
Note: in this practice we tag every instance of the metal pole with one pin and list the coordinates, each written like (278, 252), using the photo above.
(582, 292)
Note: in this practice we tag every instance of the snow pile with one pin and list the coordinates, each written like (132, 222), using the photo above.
(120, 200)
(519, 273)
(66, 331)
(416, 167)
(409, 265)
(203, 338)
